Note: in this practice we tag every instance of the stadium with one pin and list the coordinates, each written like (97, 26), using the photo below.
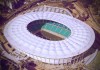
(50, 37)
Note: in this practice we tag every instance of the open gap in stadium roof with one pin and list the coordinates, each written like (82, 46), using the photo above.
(49, 30)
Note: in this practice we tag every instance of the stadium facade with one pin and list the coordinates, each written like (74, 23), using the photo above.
(50, 35)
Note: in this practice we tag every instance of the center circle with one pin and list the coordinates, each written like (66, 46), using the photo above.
(49, 30)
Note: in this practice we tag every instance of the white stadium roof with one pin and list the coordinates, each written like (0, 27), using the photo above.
(81, 38)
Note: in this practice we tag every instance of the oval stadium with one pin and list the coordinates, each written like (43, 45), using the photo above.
(49, 38)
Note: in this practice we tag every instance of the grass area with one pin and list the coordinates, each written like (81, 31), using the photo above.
(95, 64)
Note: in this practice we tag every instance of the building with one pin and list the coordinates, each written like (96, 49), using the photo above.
(51, 36)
